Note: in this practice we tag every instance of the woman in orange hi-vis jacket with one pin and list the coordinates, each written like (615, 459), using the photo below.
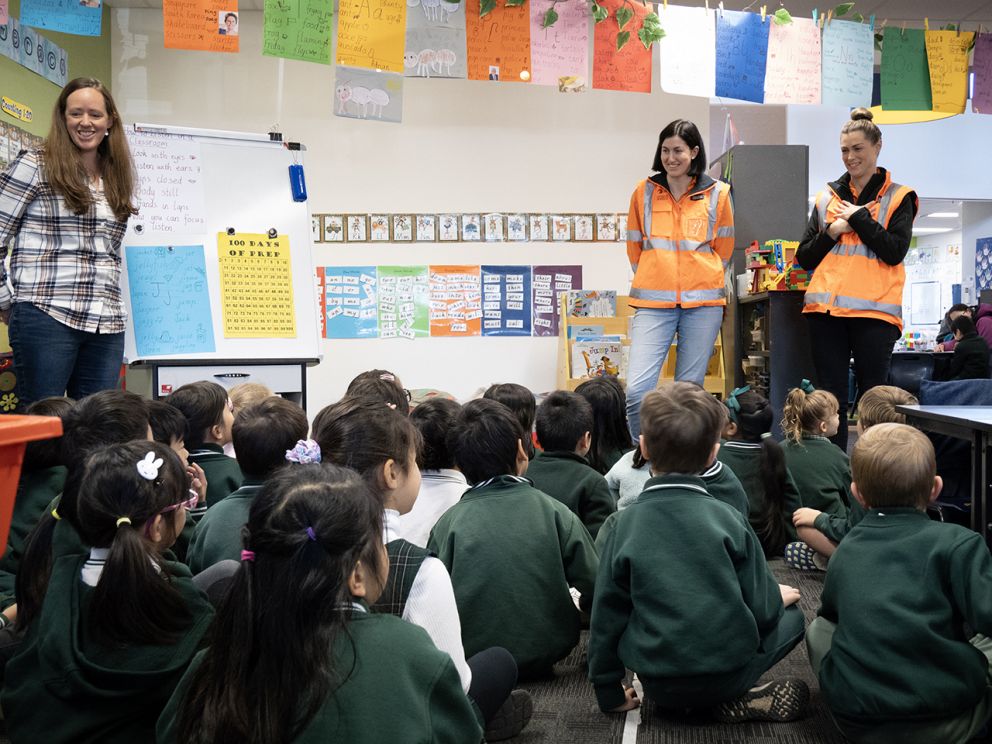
(680, 235)
(858, 235)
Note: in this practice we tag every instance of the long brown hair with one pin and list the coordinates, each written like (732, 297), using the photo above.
(64, 170)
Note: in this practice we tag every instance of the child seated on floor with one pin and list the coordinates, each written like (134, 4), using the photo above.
(513, 551)
(895, 645)
(243, 395)
(564, 431)
(758, 461)
(522, 405)
(819, 532)
(684, 596)
(264, 436)
(209, 417)
(380, 384)
(610, 433)
(971, 352)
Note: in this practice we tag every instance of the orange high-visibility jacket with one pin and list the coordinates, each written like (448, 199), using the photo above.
(851, 281)
(680, 249)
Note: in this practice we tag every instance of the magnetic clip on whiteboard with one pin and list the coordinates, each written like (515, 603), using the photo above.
(297, 183)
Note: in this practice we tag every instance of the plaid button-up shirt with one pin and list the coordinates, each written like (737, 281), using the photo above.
(67, 265)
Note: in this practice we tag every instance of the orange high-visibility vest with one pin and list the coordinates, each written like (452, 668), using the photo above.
(851, 281)
(679, 250)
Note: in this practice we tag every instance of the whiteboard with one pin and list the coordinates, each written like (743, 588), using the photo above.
(193, 185)
(925, 303)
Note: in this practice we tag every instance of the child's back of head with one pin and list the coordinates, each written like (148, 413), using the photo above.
(877, 405)
(380, 384)
(522, 405)
(206, 407)
(433, 419)
(263, 432)
(248, 394)
(610, 432)
(486, 441)
(46, 453)
(962, 326)
(893, 465)
(168, 423)
(680, 427)
(805, 410)
(563, 421)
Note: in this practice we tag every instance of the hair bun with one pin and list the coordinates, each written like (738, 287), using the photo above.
(862, 113)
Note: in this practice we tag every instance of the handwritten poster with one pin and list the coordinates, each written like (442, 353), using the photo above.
(367, 94)
(297, 29)
(455, 301)
(562, 50)
(80, 17)
(848, 63)
(3, 11)
(741, 55)
(371, 34)
(947, 57)
(170, 302)
(403, 302)
(630, 68)
(904, 73)
(688, 51)
(981, 65)
(792, 73)
(548, 283)
(170, 184)
(350, 302)
(435, 39)
(506, 300)
(256, 286)
(201, 25)
(498, 44)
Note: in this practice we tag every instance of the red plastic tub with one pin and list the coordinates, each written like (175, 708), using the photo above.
(15, 432)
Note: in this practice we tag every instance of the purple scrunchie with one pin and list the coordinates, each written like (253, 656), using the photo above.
(306, 451)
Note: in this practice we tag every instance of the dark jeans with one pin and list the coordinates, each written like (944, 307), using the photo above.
(51, 358)
(834, 342)
(494, 674)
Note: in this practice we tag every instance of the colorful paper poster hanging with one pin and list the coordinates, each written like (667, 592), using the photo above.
(371, 34)
(435, 39)
(981, 96)
(506, 300)
(688, 51)
(983, 264)
(170, 301)
(562, 50)
(630, 68)
(3, 11)
(256, 286)
(367, 94)
(947, 58)
(300, 29)
(204, 25)
(32, 50)
(80, 17)
(351, 299)
(792, 73)
(498, 44)
(848, 62)
(548, 282)
(904, 73)
(170, 183)
(741, 55)
(455, 301)
(403, 302)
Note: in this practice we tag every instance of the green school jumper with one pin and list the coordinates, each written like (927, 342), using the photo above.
(513, 552)
(684, 598)
(569, 478)
(836, 527)
(223, 474)
(217, 536)
(898, 589)
(822, 472)
(401, 689)
(35, 492)
(65, 686)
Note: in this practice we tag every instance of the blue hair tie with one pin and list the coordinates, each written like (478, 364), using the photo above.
(733, 405)
(311, 534)
(807, 387)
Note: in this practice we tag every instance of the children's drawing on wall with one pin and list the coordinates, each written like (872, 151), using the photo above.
(366, 94)
(447, 227)
(333, 228)
(435, 39)
(494, 227)
(379, 224)
(538, 227)
(357, 228)
(471, 227)
(606, 227)
(622, 227)
(583, 228)
(571, 84)
(426, 228)
(561, 227)
(516, 228)
(402, 227)
(983, 263)
(315, 228)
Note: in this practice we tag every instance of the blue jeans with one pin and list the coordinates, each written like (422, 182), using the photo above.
(50, 358)
(651, 334)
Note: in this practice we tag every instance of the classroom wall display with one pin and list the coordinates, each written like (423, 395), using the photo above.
(848, 59)
(3, 11)
(297, 31)
(627, 69)
(559, 54)
(792, 71)
(904, 74)
(372, 38)
(983, 264)
(13, 139)
(947, 60)
(981, 96)
(498, 44)
(368, 94)
(688, 51)
(547, 284)
(506, 299)
(80, 17)
(205, 25)
(741, 55)
(170, 182)
(22, 44)
(403, 302)
(455, 301)
(349, 299)
(435, 39)
(256, 286)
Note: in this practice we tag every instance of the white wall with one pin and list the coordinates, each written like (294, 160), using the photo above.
(937, 258)
(462, 147)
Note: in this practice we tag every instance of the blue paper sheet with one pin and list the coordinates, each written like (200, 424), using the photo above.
(506, 300)
(741, 55)
(351, 302)
(80, 17)
(848, 59)
(170, 302)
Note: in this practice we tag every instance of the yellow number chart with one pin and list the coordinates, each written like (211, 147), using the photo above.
(256, 286)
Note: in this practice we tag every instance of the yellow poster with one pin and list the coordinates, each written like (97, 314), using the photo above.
(372, 34)
(947, 55)
(256, 286)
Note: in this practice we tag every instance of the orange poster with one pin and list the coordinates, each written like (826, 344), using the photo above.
(499, 44)
(630, 68)
(206, 25)
(455, 301)
(372, 34)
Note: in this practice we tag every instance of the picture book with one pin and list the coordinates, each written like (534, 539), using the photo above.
(598, 359)
(592, 303)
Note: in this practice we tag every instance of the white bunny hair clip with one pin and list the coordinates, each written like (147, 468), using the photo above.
(148, 468)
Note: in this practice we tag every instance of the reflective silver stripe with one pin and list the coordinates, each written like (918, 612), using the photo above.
(714, 198)
(703, 295)
(817, 298)
(725, 232)
(822, 200)
(860, 249)
(634, 236)
(857, 303)
(839, 249)
(633, 267)
(654, 295)
(885, 203)
(648, 193)
(661, 244)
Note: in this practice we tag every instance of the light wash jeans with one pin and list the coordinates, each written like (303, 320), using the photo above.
(651, 334)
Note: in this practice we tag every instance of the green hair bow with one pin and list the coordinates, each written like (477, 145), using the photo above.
(807, 387)
(733, 405)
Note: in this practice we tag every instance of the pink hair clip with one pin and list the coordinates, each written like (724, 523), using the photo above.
(248, 555)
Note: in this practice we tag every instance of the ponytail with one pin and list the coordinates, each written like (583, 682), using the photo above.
(772, 528)
(35, 570)
(805, 407)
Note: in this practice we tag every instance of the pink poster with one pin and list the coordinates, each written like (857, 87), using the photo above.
(792, 73)
(3, 12)
(559, 54)
(981, 99)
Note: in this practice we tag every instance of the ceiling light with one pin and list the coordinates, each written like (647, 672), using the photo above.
(931, 230)
(943, 215)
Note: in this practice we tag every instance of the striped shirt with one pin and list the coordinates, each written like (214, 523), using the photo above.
(67, 265)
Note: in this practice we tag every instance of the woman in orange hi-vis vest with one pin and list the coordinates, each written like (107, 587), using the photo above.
(680, 236)
(858, 235)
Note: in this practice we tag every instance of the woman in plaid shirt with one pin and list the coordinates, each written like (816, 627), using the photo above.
(63, 212)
